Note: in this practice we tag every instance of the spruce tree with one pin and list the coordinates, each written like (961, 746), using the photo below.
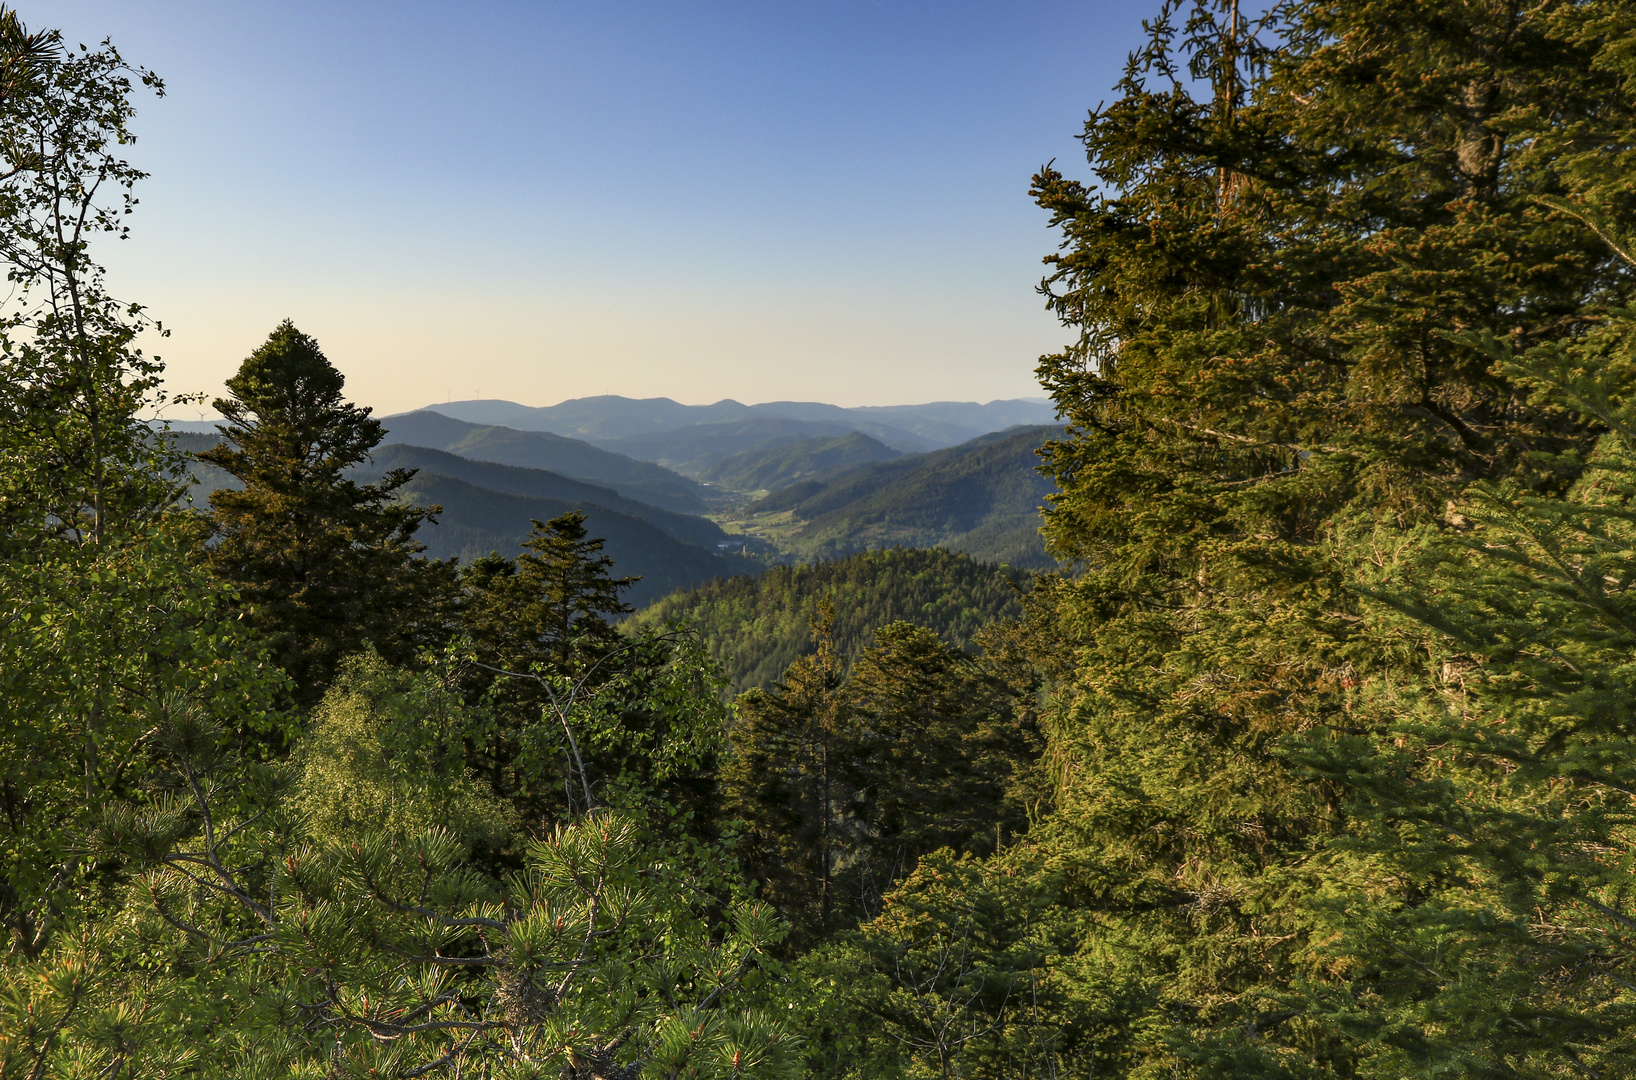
(843, 780)
(539, 624)
(322, 564)
(1482, 907)
(1296, 227)
(784, 782)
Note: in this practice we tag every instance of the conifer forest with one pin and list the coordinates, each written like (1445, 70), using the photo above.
(1306, 749)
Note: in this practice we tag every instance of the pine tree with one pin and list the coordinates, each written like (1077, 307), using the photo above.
(322, 564)
(344, 924)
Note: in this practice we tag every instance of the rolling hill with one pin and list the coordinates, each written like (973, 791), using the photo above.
(772, 465)
(489, 507)
(611, 417)
(477, 520)
(540, 484)
(953, 422)
(507, 479)
(755, 627)
(982, 497)
(639, 480)
(696, 451)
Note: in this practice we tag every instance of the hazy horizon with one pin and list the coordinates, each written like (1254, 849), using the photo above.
(204, 414)
(539, 201)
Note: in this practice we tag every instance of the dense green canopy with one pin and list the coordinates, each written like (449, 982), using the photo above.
(1317, 763)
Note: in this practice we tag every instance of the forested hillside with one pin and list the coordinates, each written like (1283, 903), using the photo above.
(507, 479)
(639, 480)
(982, 498)
(1311, 754)
(766, 466)
(756, 627)
(474, 521)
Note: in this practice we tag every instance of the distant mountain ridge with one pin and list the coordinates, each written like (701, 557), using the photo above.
(639, 480)
(538, 484)
(613, 417)
(699, 449)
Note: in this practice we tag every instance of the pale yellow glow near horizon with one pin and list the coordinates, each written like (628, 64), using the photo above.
(406, 348)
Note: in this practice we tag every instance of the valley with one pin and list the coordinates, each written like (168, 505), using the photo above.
(625, 738)
(788, 496)
(727, 491)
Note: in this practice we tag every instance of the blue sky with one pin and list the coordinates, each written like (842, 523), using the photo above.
(540, 200)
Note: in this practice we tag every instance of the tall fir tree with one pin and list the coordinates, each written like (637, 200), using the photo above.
(1296, 226)
(1481, 906)
(537, 623)
(941, 752)
(554, 602)
(784, 782)
(322, 563)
